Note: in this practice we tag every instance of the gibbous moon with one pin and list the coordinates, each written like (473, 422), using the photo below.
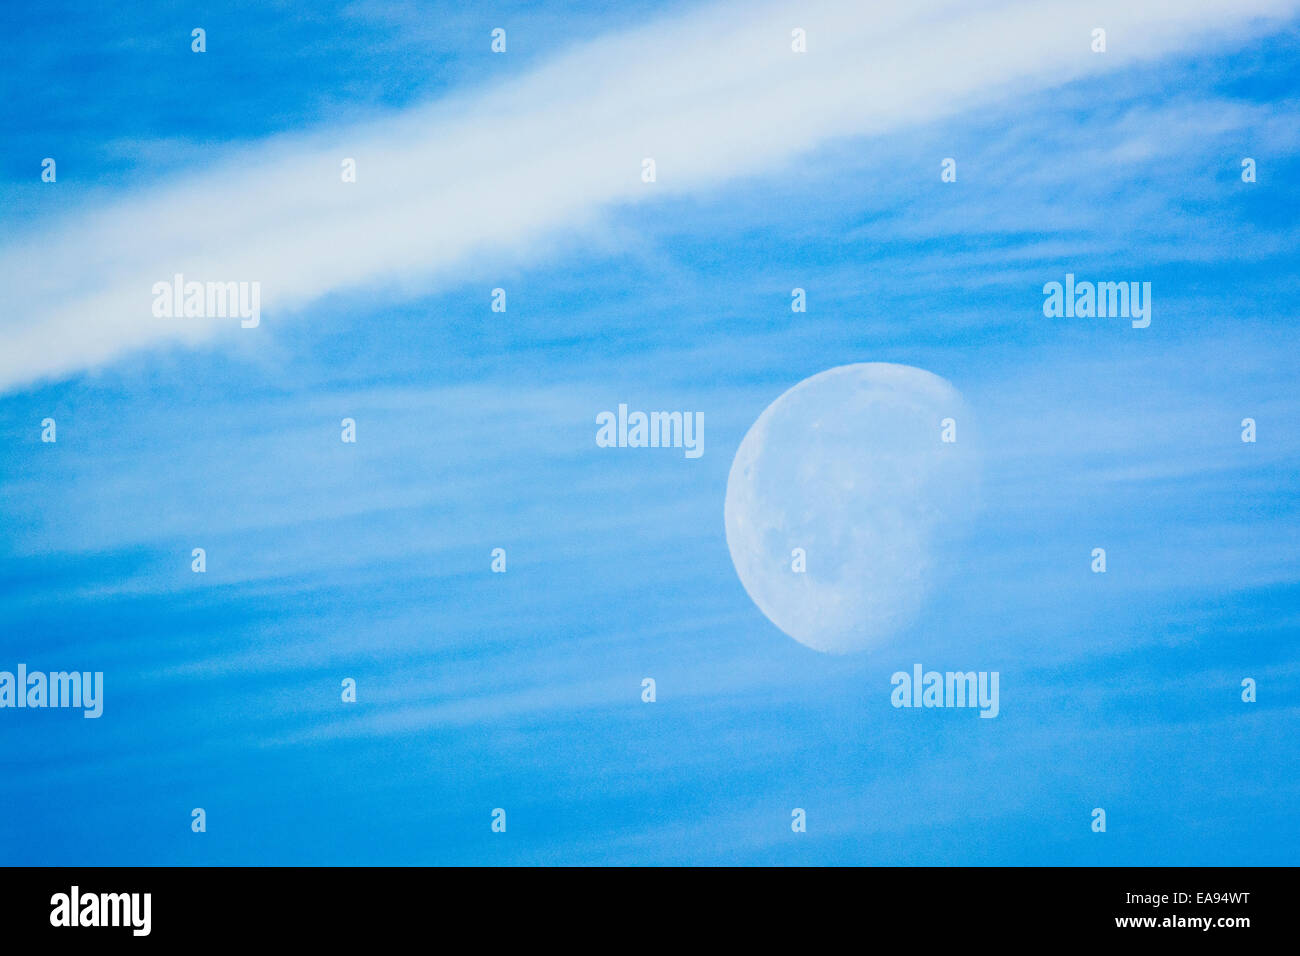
(852, 468)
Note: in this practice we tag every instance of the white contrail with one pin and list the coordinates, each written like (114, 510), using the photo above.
(445, 189)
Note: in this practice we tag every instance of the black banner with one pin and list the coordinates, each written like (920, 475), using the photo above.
(1178, 906)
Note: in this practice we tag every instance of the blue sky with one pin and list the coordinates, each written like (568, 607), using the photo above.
(476, 430)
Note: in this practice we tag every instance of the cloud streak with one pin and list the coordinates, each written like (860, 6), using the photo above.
(458, 190)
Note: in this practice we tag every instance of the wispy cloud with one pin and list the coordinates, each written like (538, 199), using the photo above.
(458, 189)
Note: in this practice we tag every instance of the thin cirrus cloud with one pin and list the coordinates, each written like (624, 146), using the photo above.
(448, 189)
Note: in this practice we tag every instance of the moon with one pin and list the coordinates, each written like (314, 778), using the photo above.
(870, 471)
